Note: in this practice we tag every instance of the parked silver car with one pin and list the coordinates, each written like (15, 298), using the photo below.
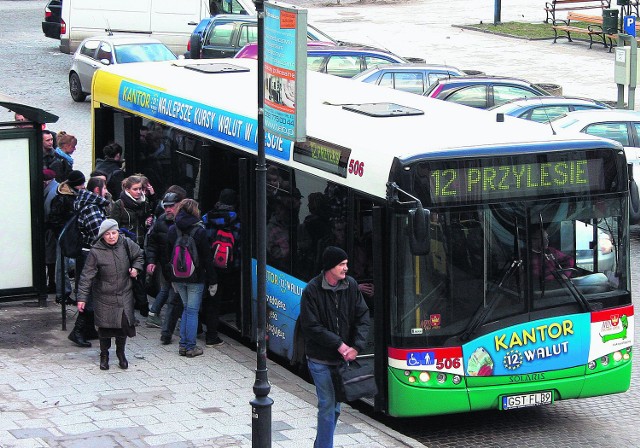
(414, 78)
(99, 51)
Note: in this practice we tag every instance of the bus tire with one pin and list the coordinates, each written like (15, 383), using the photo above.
(634, 203)
(75, 88)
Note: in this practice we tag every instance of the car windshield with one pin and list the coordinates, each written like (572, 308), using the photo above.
(149, 52)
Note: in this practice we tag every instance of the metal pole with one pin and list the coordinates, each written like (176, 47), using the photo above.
(497, 11)
(261, 404)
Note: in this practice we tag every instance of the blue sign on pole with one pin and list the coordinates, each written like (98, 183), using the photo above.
(630, 25)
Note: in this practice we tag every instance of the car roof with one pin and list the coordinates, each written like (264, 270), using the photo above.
(545, 101)
(123, 39)
(407, 66)
(481, 80)
(597, 115)
(353, 50)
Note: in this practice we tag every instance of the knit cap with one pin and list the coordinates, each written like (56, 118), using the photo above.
(76, 178)
(332, 256)
(107, 224)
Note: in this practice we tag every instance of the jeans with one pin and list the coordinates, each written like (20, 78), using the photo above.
(191, 295)
(328, 407)
(166, 293)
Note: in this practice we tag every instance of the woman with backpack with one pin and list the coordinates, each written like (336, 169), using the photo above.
(133, 210)
(189, 270)
(112, 264)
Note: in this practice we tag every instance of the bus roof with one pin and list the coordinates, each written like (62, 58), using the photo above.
(442, 129)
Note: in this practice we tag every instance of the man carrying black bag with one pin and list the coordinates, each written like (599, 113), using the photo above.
(334, 319)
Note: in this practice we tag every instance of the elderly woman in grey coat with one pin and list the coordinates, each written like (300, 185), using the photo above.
(108, 274)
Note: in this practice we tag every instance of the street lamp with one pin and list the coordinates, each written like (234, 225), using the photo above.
(261, 404)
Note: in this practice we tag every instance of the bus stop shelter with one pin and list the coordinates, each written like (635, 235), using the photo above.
(22, 264)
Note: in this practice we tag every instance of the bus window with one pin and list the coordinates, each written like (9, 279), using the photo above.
(283, 207)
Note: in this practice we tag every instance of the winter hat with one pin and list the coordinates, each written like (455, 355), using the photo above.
(107, 224)
(227, 197)
(332, 256)
(76, 178)
(48, 174)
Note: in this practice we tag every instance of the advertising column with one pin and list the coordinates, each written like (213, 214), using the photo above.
(285, 70)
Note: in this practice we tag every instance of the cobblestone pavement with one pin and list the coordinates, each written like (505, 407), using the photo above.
(52, 393)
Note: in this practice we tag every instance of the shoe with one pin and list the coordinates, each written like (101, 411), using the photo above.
(166, 340)
(182, 351)
(154, 321)
(195, 351)
(78, 338)
(214, 342)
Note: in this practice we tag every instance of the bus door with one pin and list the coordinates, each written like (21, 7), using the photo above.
(378, 320)
(223, 200)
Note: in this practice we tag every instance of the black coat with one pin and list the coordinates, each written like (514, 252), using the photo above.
(156, 250)
(328, 318)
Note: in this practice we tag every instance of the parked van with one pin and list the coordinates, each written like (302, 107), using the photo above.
(169, 21)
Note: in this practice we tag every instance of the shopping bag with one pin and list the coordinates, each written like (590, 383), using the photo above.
(355, 381)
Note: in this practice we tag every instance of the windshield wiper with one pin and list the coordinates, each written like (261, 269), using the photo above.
(558, 274)
(514, 267)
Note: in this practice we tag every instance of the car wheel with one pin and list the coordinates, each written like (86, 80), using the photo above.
(634, 203)
(75, 88)
(195, 46)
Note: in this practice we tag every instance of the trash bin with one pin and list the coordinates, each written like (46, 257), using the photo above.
(610, 21)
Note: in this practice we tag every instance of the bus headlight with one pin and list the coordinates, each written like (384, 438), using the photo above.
(605, 360)
(442, 377)
(591, 365)
(424, 376)
(407, 372)
(412, 379)
(456, 379)
(617, 356)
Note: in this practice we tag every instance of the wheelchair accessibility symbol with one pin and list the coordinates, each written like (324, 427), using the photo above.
(420, 359)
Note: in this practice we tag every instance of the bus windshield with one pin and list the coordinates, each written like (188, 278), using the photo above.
(494, 265)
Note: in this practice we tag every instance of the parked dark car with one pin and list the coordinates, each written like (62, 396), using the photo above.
(52, 23)
(545, 109)
(224, 35)
(483, 92)
(414, 78)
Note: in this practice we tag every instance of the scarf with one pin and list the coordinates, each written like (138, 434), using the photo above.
(64, 155)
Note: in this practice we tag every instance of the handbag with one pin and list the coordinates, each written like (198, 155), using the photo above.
(355, 381)
(138, 289)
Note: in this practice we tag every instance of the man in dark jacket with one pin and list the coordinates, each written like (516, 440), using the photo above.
(157, 256)
(111, 166)
(335, 321)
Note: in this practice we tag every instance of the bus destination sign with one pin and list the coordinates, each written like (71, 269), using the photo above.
(473, 182)
(322, 155)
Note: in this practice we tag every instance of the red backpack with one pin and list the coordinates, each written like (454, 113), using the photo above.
(222, 248)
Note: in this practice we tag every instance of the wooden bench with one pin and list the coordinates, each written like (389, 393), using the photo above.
(573, 5)
(594, 29)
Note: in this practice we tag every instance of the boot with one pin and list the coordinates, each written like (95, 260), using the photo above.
(120, 343)
(105, 345)
(77, 334)
(90, 331)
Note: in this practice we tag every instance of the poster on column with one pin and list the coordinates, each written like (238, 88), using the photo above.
(285, 70)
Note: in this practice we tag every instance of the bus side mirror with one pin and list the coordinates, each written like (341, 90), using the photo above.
(419, 231)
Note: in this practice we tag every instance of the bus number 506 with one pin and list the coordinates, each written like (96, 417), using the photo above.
(356, 167)
(448, 363)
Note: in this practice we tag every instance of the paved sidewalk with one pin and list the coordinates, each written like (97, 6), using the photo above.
(53, 394)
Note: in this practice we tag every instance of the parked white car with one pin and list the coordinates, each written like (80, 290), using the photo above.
(622, 126)
(100, 51)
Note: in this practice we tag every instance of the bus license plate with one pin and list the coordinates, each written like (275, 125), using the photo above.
(526, 400)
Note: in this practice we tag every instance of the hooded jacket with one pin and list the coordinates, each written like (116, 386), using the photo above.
(205, 271)
(62, 206)
(106, 276)
(328, 318)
